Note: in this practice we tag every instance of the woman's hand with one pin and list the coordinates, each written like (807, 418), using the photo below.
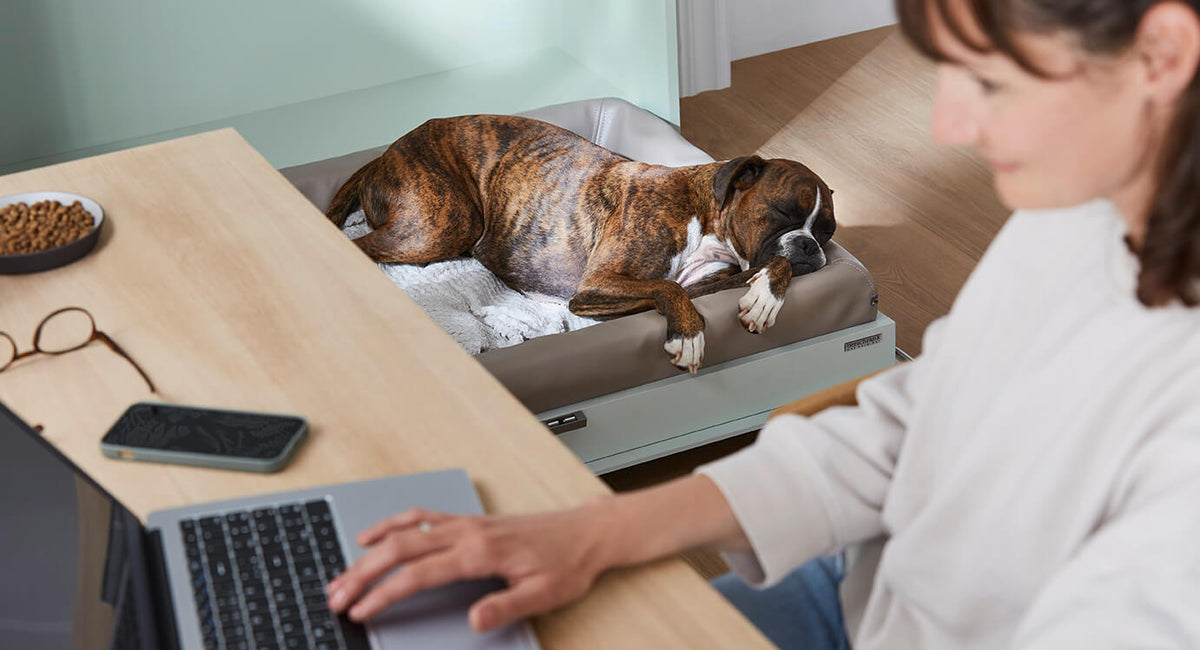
(547, 560)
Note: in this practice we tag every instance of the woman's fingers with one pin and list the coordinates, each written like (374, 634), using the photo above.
(429, 572)
(392, 549)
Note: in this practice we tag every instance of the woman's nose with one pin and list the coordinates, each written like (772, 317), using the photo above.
(954, 120)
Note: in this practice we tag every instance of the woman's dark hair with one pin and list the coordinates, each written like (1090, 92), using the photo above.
(1170, 253)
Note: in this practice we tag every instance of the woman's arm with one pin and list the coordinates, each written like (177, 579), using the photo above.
(550, 559)
(547, 559)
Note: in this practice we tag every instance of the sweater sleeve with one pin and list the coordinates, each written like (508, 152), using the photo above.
(1136, 581)
(810, 486)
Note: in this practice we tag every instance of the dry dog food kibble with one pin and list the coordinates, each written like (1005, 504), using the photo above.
(43, 225)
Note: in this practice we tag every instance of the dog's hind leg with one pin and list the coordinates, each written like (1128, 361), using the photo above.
(413, 226)
(406, 242)
(346, 198)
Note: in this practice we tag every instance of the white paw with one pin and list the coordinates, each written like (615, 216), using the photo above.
(758, 308)
(686, 352)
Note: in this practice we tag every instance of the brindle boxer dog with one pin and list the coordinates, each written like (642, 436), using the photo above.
(549, 212)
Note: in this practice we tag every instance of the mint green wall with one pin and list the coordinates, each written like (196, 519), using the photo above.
(306, 79)
(623, 42)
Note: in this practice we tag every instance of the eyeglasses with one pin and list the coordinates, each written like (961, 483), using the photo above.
(65, 330)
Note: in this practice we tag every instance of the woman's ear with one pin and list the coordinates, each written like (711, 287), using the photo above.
(1168, 45)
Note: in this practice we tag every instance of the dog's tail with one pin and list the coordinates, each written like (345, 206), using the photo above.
(347, 197)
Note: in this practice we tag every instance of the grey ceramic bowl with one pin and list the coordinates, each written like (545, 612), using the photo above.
(60, 255)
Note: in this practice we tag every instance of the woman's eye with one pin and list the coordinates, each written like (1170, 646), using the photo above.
(987, 85)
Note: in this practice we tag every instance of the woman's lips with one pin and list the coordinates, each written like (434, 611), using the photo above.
(1002, 167)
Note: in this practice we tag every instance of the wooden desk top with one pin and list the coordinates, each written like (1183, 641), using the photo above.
(233, 291)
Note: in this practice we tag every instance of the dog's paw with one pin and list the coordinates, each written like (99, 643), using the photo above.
(686, 352)
(759, 307)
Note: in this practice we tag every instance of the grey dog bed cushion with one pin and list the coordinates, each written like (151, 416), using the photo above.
(550, 372)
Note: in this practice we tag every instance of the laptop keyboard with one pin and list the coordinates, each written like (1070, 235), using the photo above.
(259, 579)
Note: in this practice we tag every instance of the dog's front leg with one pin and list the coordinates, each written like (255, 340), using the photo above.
(761, 304)
(611, 295)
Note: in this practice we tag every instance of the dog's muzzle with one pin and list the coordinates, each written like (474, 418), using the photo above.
(799, 247)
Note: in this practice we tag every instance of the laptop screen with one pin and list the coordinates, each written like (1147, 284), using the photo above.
(70, 555)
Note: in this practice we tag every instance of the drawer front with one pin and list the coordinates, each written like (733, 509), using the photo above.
(638, 424)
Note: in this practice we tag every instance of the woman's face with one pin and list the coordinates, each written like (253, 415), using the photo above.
(1050, 142)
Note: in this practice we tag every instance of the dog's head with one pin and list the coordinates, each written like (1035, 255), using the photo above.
(775, 207)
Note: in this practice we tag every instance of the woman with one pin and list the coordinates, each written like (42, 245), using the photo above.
(1033, 479)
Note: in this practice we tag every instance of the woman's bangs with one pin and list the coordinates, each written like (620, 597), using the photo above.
(921, 21)
(981, 26)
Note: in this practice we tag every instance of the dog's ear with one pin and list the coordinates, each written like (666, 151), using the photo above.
(737, 174)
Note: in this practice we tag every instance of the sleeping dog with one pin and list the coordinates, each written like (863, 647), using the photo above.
(551, 213)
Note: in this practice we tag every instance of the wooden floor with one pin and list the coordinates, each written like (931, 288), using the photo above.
(854, 109)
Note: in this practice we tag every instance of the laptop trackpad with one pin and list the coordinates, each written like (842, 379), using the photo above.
(438, 618)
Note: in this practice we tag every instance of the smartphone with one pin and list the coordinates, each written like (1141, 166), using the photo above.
(205, 437)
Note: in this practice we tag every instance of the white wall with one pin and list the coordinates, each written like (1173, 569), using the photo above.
(761, 26)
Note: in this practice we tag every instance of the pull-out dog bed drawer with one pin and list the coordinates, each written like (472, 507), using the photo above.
(652, 420)
(609, 391)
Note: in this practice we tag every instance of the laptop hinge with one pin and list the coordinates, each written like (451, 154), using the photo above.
(160, 588)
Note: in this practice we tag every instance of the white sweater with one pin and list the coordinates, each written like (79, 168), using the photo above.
(1033, 479)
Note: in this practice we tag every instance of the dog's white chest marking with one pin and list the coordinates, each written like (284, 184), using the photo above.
(741, 261)
(701, 257)
(679, 260)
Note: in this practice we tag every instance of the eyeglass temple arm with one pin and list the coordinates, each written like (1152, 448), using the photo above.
(112, 345)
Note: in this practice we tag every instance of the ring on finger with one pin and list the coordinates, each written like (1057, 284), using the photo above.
(424, 526)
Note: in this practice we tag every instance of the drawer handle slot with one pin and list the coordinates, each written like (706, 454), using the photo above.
(564, 423)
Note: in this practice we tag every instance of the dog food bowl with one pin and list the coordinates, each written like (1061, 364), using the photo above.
(59, 255)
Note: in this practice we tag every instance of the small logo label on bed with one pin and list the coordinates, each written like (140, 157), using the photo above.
(863, 342)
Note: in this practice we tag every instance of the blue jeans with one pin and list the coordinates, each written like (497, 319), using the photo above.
(802, 611)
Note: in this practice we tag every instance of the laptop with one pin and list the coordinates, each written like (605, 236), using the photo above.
(80, 571)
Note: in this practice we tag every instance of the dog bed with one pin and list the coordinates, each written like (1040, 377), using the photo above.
(607, 388)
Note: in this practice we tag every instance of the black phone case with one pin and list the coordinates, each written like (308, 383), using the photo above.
(205, 437)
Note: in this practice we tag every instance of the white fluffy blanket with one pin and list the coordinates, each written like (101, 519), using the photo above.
(471, 304)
